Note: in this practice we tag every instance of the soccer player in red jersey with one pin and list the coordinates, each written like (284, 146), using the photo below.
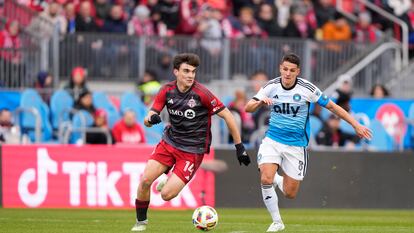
(185, 141)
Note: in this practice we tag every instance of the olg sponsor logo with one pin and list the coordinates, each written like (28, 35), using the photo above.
(90, 179)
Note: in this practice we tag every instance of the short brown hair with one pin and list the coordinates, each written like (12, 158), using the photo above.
(188, 58)
(292, 58)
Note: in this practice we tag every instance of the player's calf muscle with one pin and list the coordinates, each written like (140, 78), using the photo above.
(290, 191)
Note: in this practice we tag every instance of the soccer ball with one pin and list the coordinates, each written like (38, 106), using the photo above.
(205, 218)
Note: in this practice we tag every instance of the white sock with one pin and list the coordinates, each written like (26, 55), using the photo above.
(278, 181)
(271, 201)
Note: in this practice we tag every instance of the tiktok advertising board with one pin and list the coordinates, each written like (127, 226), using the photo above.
(88, 177)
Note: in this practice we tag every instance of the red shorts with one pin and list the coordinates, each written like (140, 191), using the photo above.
(186, 164)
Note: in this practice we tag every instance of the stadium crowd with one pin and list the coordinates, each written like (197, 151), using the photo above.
(205, 19)
(215, 19)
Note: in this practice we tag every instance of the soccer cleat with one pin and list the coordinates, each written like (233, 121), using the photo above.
(161, 183)
(276, 226)
(140, 226)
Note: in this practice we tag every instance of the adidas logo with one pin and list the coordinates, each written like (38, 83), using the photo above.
(170, 101)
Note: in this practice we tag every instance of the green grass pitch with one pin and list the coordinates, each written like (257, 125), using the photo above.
(230, 220)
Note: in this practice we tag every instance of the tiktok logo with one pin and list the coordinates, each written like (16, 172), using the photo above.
(62, 181)
(45, 165)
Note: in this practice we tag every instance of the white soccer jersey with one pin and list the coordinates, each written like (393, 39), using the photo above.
(289, 117)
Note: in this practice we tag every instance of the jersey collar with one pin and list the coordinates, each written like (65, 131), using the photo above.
(290, 88)
(189, 89)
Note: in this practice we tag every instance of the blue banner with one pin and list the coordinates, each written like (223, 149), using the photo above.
(395, 115)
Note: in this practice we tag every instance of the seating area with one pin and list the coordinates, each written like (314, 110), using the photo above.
(62, 123)
(59, 122)
(398, 137)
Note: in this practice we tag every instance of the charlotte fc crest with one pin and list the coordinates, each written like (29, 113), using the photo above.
(192, 103)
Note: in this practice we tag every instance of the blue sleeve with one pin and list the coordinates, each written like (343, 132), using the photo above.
(323, 100)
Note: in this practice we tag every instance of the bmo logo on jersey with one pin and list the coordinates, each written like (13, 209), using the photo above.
(189, 113)
(285, 108)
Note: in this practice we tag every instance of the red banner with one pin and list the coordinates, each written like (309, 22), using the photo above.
(88, 176)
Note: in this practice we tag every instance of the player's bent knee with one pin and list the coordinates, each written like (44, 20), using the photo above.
(145, 183)
(266, 180)
(166, 196)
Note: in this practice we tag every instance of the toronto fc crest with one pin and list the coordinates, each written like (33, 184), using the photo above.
(192, 103)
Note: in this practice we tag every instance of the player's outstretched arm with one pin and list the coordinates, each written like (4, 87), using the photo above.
(361, 131)
(152, 119)
(255, 104)
(242, 155)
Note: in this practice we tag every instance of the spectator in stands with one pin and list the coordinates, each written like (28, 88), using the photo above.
(332, 135)
(247, 122)
(343, 93)
(268, 22)
(324, 11)
(44, 85)
(257, 80)
(164, 69)
(309, 8)
(298, 26)
(188, 11)
(6, 125)
(85, 102)
(337, 29)
(141, 24)
(70, 16)
(238, 4)
(149, 87)
(11, 59)
(283, 12)
(84, 21)
(52, 13)
(102, 7)
(379, 91)
(77, 83)
(115, 23)
(209, 29)
(160, 28)
(127, 6)
(127, 130)
(365, 32)
(169, 10)
(100, 122)
(248, 25)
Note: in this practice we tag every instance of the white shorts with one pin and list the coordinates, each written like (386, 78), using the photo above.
(292, 159)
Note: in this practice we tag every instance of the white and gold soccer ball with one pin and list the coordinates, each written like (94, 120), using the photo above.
(205, 218)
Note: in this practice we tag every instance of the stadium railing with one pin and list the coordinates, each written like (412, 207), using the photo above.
(122, 57)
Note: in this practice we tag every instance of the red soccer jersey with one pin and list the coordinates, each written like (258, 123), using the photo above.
(190, 116)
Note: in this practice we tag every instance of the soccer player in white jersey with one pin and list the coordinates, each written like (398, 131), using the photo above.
(286, 140)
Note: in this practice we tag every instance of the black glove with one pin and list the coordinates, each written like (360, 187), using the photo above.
(242, 155)
(154, 119)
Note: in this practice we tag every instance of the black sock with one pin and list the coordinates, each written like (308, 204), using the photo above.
(141, 208)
